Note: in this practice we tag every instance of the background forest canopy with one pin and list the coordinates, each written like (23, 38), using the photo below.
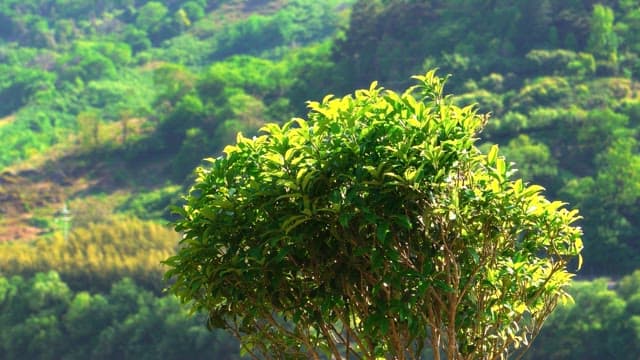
(108, 106)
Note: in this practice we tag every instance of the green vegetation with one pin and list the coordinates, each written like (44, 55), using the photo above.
(96, 256)
(62, 73)
(108, 107)
(603, 323)
(42, 318)
(376, 229)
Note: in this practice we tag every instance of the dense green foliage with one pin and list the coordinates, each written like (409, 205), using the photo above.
(560, 79)
(42, 318)
(603, 323)
(379, 220)
(388, 40)
(58, 66)
(143, 90)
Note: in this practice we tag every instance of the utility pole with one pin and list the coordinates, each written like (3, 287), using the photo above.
(65, 219)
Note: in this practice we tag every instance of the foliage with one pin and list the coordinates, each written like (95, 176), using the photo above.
(561, 61)
(603, 323)
(311, 65)
(603, 42)
(167, 83)
(376, 228)
(96, 256)
(299, 22)
(152, 205)
(611, 199)
(42, 318)
(57, 64)
(535, 161)
(18, 84)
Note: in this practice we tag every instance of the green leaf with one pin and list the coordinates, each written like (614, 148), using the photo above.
(344, 219)
(308, 179)
(493, 154)
(474, 255)
(501, 168)
(532, 190)
(293, 222)
(410, 174)
(404, 221)
(208, 213)
(382, 230)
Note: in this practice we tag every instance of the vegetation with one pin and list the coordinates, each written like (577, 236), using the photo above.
(603, 323)
(374, 229)
(43, 318)
(108, 106)
(96, 256)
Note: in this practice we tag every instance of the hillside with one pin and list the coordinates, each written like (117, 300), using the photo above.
(85, 103)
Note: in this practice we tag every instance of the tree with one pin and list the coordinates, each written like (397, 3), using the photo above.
(590, 329)
(603, 42)
(194, 10)
(533, 158)
(535, 22)
(610, 201)
(42, 318)
(362, 38)
(151, 16)
(630, 29)
(89, 129)
(374, 229)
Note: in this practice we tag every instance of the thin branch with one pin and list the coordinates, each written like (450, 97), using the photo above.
(238, 336)
(351, 334)
(330, 341)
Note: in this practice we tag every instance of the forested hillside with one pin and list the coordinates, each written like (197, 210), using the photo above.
(106, 107)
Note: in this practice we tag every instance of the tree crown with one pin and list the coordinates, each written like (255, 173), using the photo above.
(374, 228)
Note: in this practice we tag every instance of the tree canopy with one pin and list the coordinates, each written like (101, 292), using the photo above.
(373, 228)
